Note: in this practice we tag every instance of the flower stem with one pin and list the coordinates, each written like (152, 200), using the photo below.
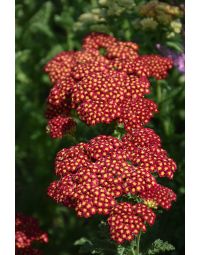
(158, 92)
(138, 244)
(132, 247)
(133, 251)
(122, 252)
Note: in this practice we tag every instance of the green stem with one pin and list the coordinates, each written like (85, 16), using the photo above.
(132, 250)
(138, 244)
(122, 252)
(158, 92)
(132, 246)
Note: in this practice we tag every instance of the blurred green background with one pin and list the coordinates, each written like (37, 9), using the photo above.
(43, 29)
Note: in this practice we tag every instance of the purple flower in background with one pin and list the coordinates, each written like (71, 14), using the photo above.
(178, 58)
(179, 62)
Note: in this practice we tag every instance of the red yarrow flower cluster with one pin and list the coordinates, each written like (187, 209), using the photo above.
(94, 175)
(127, 219)
(27, 232)
(98, 176)
(143, 147)
(60, 125)
(103, 88)
(159, 196)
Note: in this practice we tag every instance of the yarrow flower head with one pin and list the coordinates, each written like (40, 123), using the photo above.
(98, 176)
(159, 195)
(27, 232)
(59, 125)
(94, 175)
(127, 220)
(143, 147)
(103, 88)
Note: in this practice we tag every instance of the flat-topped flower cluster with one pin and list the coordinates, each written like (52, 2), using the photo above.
(102, 88)
(96, 176)
(27, 232)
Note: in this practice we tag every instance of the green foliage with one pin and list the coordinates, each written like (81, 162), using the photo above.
(159, 247)
(130, 18)
(98, 243)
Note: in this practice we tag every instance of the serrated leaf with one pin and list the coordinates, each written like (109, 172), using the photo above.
(120, 250)
(159, 246)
